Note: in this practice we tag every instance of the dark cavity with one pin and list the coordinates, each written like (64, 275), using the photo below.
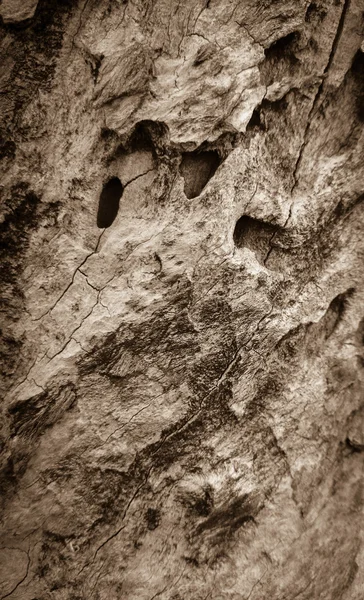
(197, 168)
(255, 235)
(109, 202)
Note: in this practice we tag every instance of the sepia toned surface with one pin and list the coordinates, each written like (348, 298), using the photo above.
(183, 300)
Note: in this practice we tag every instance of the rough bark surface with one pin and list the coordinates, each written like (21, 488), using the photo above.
(182, 281)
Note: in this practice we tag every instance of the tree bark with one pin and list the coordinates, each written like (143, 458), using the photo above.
(182, 281)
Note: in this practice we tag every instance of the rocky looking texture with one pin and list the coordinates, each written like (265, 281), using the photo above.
(183, 285)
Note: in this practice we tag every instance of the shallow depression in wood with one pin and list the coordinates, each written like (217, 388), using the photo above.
(197, 168)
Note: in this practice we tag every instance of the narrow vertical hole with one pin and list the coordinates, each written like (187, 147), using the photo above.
(109, 202)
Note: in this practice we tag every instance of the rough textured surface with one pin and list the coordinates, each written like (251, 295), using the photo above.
(15, 11)
(182, 282)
